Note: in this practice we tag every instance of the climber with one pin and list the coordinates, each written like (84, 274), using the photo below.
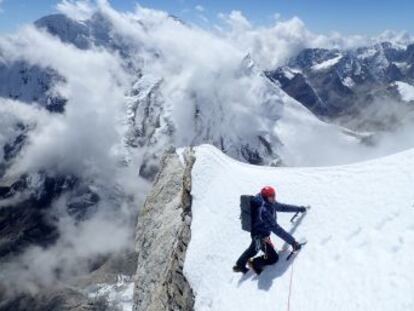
(263, 222)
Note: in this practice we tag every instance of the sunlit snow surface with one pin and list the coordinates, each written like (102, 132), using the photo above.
(327, 64)
(360, 230)
(406, 91)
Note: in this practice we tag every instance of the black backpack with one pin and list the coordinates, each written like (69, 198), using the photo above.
(246, 212)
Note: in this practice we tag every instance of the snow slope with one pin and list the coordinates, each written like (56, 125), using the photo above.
(360, 232)
(328, 63)
(406, 91)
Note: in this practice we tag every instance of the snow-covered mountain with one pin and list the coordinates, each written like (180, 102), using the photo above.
(89, 104)
(152, 127)
(261, 125)
(27, 83)
(353, 84)
(359, 233)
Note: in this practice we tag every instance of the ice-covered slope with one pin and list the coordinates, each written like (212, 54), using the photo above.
(360, 232)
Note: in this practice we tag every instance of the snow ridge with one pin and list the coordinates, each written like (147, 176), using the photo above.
(360, 232)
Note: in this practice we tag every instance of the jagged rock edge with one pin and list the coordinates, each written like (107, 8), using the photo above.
(171, 291)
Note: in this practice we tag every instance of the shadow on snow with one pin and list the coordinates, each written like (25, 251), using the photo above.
(271, 273)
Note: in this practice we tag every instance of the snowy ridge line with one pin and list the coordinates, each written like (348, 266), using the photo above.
(218, 154)
(328, 63)
(358, 222)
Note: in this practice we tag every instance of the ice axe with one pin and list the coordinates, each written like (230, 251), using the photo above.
(292, 220)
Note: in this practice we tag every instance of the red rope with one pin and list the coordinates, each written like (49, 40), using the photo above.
(290, 288)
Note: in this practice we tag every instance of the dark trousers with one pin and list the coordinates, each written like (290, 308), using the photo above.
(269, 257)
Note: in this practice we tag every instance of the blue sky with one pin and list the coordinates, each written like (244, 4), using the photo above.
(321, 16)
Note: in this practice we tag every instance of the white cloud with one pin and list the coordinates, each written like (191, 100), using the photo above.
(399, 38)
(236, 20)
(94, 98)
(271, 46)
(85, 141)
(204, 19)
(195, 63)
(78, 10)
(78, 243)
(202, 72)
(199, 8)
(277, 16)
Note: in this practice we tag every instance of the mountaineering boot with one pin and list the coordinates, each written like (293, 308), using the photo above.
(243, 270)
(251, 265)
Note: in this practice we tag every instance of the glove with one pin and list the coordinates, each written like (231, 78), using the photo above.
(304, 209)
(296, 246)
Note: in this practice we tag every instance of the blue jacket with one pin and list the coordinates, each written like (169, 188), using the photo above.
(264, 218)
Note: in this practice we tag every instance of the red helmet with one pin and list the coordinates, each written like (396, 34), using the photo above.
(268, 192)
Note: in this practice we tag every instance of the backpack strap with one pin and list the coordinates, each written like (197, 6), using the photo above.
(260, 210)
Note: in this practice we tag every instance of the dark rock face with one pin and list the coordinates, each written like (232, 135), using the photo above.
(344, 83)
(33, 84)
(298, 88)
(96, 31)
(67, 299)
(28, 219)
(11, 149)
(393, 73)
(30, 83)
(68, 30)
(80, 294)
(163, 233)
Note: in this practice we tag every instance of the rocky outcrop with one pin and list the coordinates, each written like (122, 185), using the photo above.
(28, 83)
(348, 86)
(64, 299)
(163, 233)
(99, 290)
